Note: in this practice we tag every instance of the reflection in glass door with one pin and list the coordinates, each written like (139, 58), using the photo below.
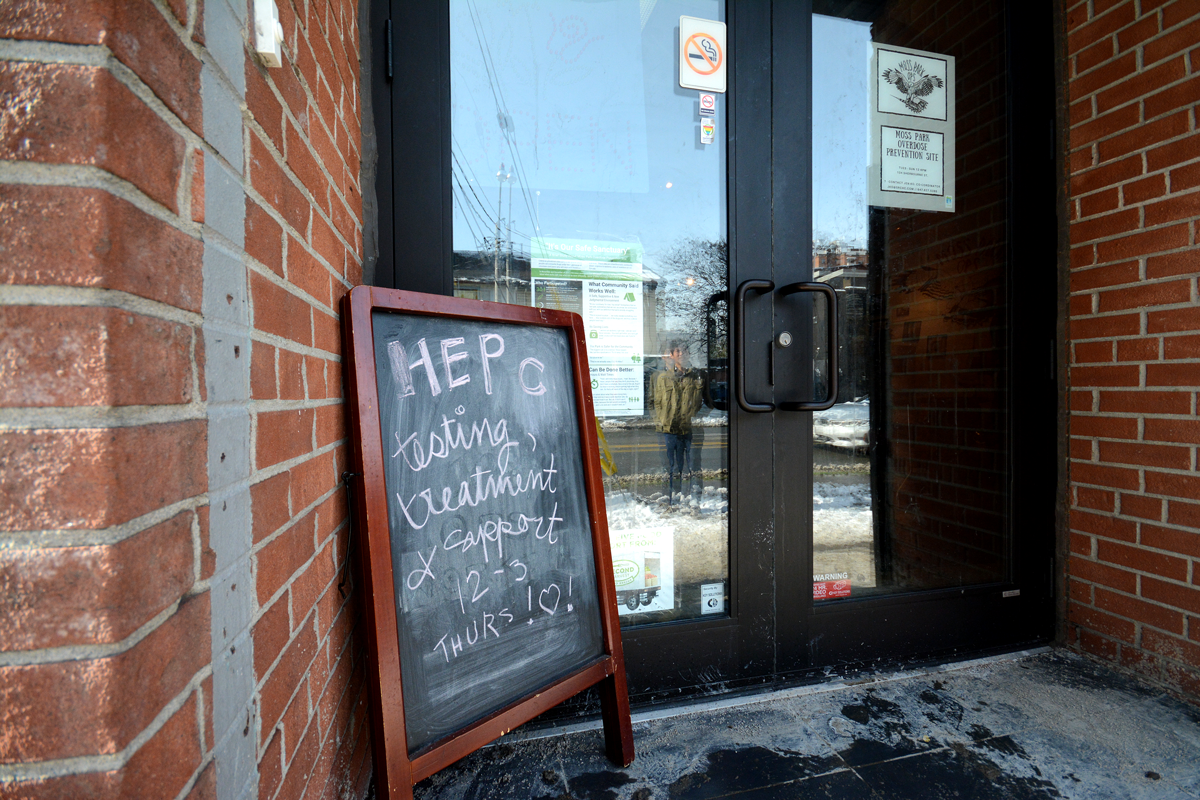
(910, 466)
(583, 180)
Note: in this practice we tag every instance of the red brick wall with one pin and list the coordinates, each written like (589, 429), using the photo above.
(106, 573)
(304, 238)
(1133, 71)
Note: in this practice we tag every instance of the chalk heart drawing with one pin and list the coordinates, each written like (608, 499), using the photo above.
(557, 597)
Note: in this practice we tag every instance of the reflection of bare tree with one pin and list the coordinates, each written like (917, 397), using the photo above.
(694, 271)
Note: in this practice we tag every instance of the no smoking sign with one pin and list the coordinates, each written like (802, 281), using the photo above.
(702, 54)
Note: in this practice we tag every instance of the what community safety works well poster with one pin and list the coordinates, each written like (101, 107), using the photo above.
(602, 282)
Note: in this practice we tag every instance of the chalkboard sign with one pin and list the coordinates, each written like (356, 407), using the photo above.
(485, 551)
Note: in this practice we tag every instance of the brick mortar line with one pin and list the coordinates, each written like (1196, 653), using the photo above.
(251, 123)
(1132, 415)
(273, 406)
(56, 538)
(88, 418)
(1138, 492)
(260, 336)
(314, 717)
(1139, 205)
(345, 645)
(311, 100)
(257, 335)
(292, 288)
(259, 475)
(339, 33)
(321, 259)
(1142, 648)
(1142, 228)
(261, 544)
(1125, 181)
(1154, 550)
(1143, 150)
(83, 765)
(1187, 76)
(1180, 306)
(206, 758)
(1156, 603)
(97, 297)
(86, 176)
(329, 732)
(262, 269)
(1093, 16)
(289, 174)
(92, 652)
(264, 742)
(40, 51)
(1138, 49)
(1157, 443)
(130, 79)
(1112, 515)
(1166, 362)
(1136, 285)
(306, 620)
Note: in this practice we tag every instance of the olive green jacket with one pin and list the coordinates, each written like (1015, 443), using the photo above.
(677, 397)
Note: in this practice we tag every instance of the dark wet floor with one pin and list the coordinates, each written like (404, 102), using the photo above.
(1045, 725)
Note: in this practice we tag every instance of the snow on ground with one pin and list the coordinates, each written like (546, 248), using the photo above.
(842, 536)
(708, 418)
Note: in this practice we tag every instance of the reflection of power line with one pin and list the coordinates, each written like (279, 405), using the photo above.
(474, 233)
(466, 206)
(506, 131)
(473, 179)
(486, 211)
(482, 213)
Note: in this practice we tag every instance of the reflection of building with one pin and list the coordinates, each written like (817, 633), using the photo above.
(850, 283)
(833, 256)
(484, 275)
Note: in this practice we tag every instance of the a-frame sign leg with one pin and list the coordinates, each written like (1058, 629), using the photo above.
(614, 710)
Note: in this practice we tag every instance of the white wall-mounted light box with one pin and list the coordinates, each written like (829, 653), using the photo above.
(268, 33)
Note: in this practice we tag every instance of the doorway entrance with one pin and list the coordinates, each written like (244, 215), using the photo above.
(820, 407)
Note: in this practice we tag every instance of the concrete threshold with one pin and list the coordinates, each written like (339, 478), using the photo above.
(771, 696)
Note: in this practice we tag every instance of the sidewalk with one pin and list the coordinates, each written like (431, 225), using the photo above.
(1049, 724)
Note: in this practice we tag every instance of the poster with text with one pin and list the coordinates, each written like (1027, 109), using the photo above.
(643, 569)
(912, 129)
(602, 282)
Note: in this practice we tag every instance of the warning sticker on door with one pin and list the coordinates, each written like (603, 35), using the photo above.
(830, 585)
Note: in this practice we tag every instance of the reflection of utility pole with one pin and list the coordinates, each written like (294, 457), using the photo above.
(501, 177)
(508, 258)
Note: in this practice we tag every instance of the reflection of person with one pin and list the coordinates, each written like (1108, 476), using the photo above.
(677, 397)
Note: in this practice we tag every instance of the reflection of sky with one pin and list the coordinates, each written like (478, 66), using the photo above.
(581, 103)
(841, 72)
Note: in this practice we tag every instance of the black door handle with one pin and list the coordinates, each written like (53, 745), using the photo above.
(739, 353)
(832, 393)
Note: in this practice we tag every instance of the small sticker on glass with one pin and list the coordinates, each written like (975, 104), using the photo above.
(712, 598)
(708, 130)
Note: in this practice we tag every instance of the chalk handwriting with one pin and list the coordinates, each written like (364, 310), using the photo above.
(421, 573)
(471, 493)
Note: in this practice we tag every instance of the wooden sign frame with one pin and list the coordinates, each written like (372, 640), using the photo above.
(396, 769)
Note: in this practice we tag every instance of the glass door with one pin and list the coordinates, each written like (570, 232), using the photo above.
(925, 534)
(704, 240)
(585, 178)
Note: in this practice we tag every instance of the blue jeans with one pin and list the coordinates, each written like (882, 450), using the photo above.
(679, 461)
